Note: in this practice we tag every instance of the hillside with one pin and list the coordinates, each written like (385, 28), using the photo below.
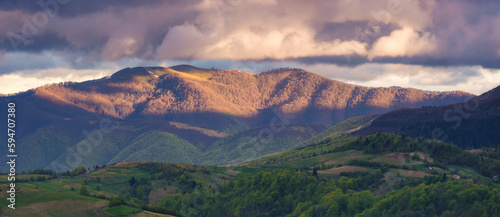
(376, 175)
(250, 144)
(474, 123)
(64, 145)
(218, 99)
(186, 114)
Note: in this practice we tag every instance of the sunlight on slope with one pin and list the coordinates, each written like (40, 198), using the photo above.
(199, 129)
(194, 74)
(185, 71)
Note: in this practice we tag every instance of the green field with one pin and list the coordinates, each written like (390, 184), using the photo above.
(32, 202)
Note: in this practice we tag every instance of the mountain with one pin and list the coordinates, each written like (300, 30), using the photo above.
(217, 99)
(186, 114)
(474, 123)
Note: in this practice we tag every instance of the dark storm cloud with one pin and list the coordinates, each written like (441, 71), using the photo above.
(47, 41)
(352, 61)
(96, 30)
(348, 30)
(350, 33)
(73, 8)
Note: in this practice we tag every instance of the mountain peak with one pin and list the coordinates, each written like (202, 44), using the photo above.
(187, 68)
(129, 73)
(191, 71)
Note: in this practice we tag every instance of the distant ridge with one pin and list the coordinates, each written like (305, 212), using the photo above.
(471, 124)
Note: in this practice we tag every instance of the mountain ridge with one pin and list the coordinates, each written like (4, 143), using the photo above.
(156, 92)
(473, 123)
(222, 116)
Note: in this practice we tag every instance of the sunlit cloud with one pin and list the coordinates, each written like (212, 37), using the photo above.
(25, 80)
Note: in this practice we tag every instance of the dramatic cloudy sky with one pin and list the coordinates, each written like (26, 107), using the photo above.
(427, 44)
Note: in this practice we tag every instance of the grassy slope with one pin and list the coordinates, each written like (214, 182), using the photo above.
(321, 142)
(304, 152)
(47, 143)
(107, 148)
(348, 125)
(121, 210)
(33, 202)
(58, 144)
(159, 147)
(257, 142)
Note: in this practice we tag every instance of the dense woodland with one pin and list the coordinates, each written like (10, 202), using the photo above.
(299, 193)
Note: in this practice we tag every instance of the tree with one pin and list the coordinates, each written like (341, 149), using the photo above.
(78, 171)
(132, 181)
(40, 178)
(182, 179)
(84, 190)
(315, 171)
(115, 201)
(140, 191)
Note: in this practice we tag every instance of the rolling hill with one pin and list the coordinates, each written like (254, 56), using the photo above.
(187, 114)
(474, 123)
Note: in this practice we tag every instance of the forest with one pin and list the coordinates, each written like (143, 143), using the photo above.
(303, 191)
(299, 193)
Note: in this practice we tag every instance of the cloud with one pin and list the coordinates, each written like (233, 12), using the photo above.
(187, 41)
(24, 80)
(413, 32)
(183, 41)
(404, 42)
(473, 79)
(118, 47)
(13, 62)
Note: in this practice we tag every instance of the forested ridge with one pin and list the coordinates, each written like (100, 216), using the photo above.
(474, 123)
(157, 92)
(298, 193)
